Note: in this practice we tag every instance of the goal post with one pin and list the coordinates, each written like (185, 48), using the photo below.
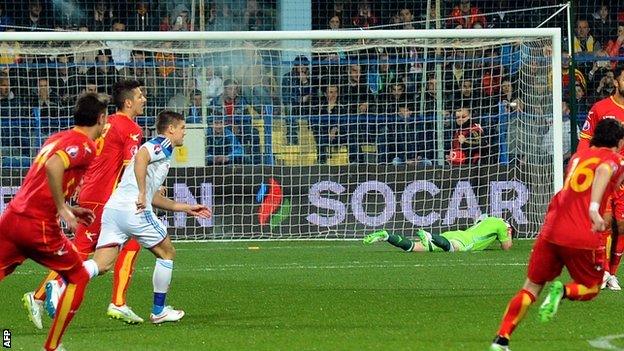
(306, 168)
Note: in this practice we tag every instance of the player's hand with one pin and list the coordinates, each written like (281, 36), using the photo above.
(598, 223)
(69, 218)
(141, 202)
(200, 211)
(163, 191)
(83, 215)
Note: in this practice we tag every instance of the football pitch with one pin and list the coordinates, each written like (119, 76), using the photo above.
(323, 295)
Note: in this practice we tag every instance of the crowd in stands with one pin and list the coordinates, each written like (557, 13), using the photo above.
(374, 104)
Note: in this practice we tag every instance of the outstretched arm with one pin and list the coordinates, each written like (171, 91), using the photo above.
(164, 203)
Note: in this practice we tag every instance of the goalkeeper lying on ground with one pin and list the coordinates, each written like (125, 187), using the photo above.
(476, 238)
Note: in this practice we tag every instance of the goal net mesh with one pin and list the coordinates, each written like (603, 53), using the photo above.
(314, 139)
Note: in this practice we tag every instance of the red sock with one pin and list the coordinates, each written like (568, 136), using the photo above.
(614, 263)
(69, 303)
(124, 268)
(579, 292)
(516, 309)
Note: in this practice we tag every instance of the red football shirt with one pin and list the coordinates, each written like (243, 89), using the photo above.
(119, 142)
(34, 198)
(567, 221)
(605, 108)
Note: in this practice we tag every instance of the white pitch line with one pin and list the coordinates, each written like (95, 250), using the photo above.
(300, 266)
(604, 342)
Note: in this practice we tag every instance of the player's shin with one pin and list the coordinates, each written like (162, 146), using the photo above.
(580, 292)
(400, 241)
(40, 294)
(124, 268)
(161, 280)
(441, 242)
(616, 257)
(77, 280)
(516, 309)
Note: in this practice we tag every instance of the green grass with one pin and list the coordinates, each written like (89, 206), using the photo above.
(321, 296)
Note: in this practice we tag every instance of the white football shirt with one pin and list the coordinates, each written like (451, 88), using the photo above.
(125, 196)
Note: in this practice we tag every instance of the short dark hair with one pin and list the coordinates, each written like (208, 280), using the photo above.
(608, 133)
(89, 107)
(617, 71)
(167, 118)
(122, 90)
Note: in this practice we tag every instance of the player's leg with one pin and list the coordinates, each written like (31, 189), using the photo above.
(617, 249)
(124, 268)
(393, 239)
(544, 266)
(10, 257)
(57, 253)
(122, 275)
(585, 272)
(152, 234)
(606, 238)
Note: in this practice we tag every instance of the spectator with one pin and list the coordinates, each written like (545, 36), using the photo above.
(89, 86)
(222, 145)
(221, 18)
(46, 103)
(182, 20)
(101, 18)
(165, 69)
(15, 140)
(547, 146)
(599, 67)
(34, 19)
(120, 52)
(606, 86)
(396, 97)
(326, 121)
(256, 80)
(584, 43)
(467, 96)
(465, 16)
(354, 92)
(509, 96)
(6, 21)
(65, 80)
(214, 85)
(398, 143)
(195, 110)
(502, 18)
(297, 94)
(466, 144)
(406, 18)
(181, 101)
(83, 60)
(334, 22)
(604, 24)
(103, 73)
(142, 19)
(235, 109)
(9, 51)
(143, 71)
(365, 17)
(615, 45)
(297, 89)
(381, 75)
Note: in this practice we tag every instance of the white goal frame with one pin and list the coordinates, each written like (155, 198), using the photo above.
(553, 33)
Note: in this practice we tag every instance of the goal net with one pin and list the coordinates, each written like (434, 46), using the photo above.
(314, 135)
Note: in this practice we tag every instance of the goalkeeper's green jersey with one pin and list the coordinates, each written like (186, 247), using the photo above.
(481, 235)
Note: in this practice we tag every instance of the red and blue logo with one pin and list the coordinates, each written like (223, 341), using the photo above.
(274, 207)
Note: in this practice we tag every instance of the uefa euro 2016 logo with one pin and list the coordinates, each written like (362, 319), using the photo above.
(274, 207)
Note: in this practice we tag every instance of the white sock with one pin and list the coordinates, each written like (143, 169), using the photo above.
(91, 268)
(162, 275)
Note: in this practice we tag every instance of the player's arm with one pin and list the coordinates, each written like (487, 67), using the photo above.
(506, 245)
(55, 170)
(602, 177)
(141, 161)
(587, 132)
(164, 203)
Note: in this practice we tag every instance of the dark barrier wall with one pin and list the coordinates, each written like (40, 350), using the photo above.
(344, 202)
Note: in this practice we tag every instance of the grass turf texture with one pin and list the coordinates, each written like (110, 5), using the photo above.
(320, 296)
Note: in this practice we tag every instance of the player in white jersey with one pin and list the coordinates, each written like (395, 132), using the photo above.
(128, 212)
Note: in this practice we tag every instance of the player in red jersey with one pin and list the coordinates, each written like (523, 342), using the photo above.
(611, 107)
(29, 227)
(115, 148)
(569, 235)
